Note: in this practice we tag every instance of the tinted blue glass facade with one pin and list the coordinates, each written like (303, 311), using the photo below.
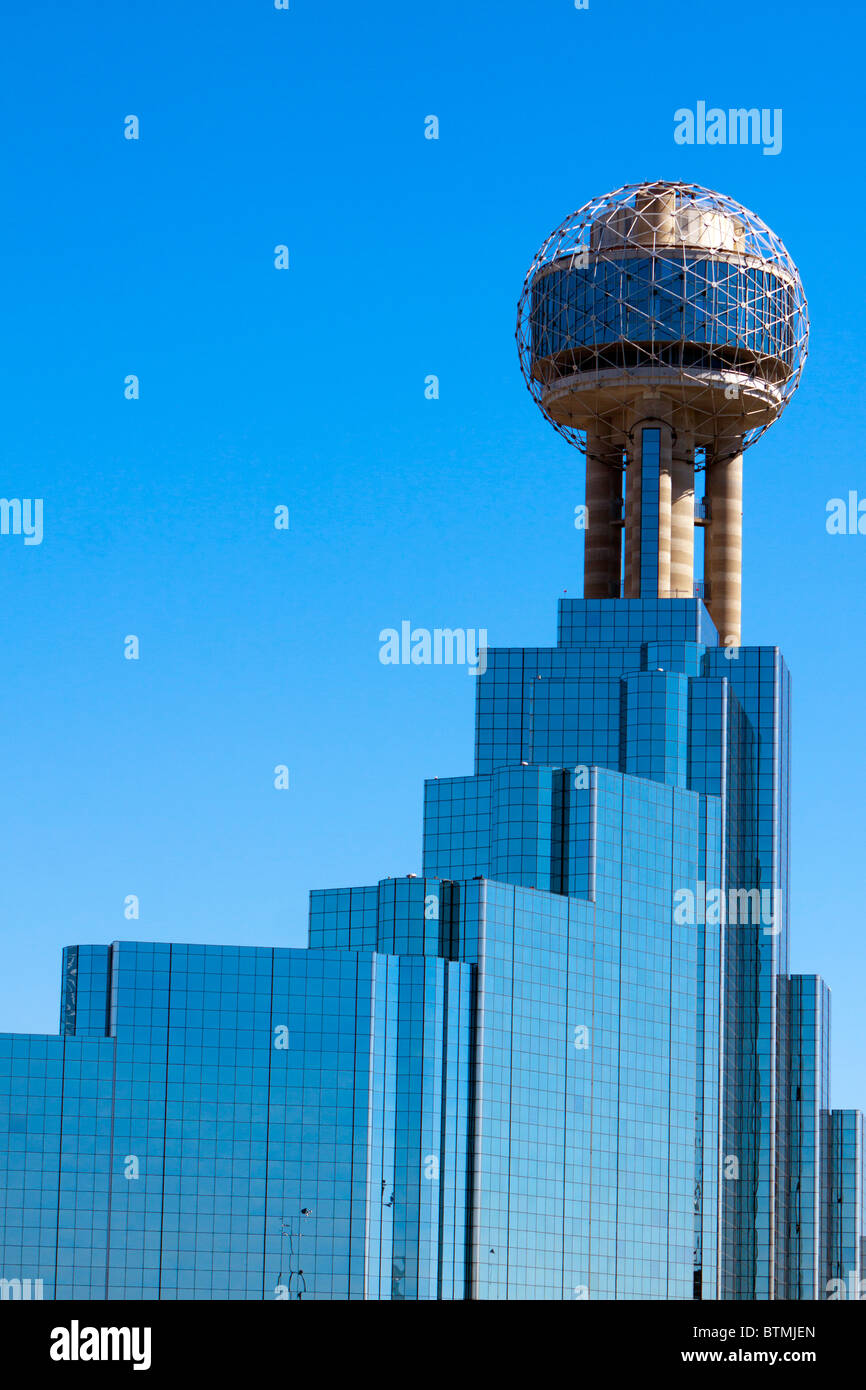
(638, 299)
(845, 1232)
(242, 1130)
(567, 1062)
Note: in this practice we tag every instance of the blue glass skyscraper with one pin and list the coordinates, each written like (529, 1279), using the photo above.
(569, 1060)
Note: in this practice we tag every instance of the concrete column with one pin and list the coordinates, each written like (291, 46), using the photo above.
(683, 518)
(723, 553)
(603, 542)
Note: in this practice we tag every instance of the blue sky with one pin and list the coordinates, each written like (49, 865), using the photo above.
(306, 388)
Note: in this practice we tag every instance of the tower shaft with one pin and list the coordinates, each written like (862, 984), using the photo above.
(657, 559)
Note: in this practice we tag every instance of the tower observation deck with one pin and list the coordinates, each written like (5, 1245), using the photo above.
(662, 329)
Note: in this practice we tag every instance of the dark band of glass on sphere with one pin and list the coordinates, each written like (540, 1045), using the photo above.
(650, 306)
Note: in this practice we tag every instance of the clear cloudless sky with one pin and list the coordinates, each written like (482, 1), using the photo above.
(305, 387)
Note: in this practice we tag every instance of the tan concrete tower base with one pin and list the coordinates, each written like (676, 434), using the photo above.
(607, 539)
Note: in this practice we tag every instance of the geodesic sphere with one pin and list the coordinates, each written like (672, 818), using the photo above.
(667, 299)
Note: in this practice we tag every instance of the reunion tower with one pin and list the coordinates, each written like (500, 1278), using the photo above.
(663, 328)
